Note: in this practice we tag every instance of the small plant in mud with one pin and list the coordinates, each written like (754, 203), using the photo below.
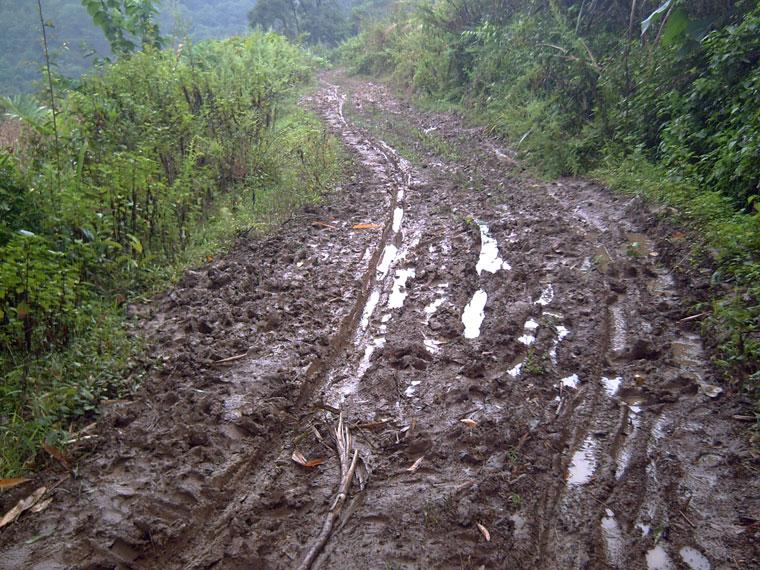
(513, 456)
(634, 250)
(436, 144)
(437, 511)
(469, 220)
(516, 500)
(535, 363)
(430, 517)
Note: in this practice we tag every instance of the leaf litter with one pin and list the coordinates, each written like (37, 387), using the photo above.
(299, 458)
(12, 482)
(23, 505)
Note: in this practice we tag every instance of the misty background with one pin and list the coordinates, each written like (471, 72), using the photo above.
(76, 43)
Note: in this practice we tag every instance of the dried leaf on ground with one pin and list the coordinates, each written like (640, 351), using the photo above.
(21, 506)
(367, 226)
(469, 422)
(299, 458)
(8, 483)
(57, 454)
(41, 506)
(710, 390)
(324, 225)
(484, 531)
(416, 465)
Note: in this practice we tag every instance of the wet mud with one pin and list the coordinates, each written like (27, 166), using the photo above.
(515, 359)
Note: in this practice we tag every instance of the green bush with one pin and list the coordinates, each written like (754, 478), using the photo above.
(159, 157)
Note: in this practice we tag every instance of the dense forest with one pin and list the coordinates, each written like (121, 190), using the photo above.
(317, 22)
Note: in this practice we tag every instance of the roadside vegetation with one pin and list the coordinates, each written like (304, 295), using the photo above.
(112, 183)
(110, 187)
(659, 99)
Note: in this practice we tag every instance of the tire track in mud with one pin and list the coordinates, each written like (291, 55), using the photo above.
(616, 378)
(389, 172)
(536, 311)
(227, 512)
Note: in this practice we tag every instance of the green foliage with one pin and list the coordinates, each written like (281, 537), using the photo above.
(15, 203)
(39, 397)
(715, 127)
(164, 155)
(317, 22)
(124, 22)
(39, 291)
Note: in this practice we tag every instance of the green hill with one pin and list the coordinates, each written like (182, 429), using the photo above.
(75, 42)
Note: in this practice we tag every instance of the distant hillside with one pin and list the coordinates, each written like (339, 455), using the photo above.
(206, 19)
(75, 41)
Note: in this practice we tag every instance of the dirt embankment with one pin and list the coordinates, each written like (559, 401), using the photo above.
(515, 360)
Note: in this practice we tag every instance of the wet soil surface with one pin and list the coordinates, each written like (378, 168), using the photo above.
(515, 360)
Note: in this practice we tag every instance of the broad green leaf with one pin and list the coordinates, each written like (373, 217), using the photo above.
(677, 24)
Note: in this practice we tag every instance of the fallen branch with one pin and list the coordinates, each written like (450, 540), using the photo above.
(692, 317)
(343, 443)
(230, 358)
(691, 524)
(372, 425)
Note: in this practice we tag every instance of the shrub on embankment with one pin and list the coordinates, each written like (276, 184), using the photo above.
(658, 98)
(152, 160)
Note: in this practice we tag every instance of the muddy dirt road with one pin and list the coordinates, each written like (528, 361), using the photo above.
(513, 358)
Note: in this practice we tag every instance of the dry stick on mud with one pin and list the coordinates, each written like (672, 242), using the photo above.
(343, 443)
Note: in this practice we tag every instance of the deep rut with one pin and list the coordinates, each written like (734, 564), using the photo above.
(440, 284)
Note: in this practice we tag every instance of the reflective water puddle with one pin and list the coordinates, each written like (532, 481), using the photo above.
(611, 385)
(619, 328)
(412, 388)
(613, 537)
(562, 333)
(694, 559)
(474, 313)
(571, 381)
(516, 370)
(529, 328)
(399, 292)
(389, 254)
(398, 215)
(583, 464)
(658, 559)
(369, 308)
(489, 260)
(547, 296)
